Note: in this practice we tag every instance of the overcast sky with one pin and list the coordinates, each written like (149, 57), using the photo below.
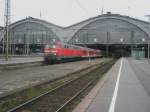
(68, 12)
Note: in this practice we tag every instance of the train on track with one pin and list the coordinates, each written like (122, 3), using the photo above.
(60, 52)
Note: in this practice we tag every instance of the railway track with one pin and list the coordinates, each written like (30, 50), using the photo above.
(58, 98)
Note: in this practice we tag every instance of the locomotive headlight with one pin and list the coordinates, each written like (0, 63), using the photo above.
(54, 52)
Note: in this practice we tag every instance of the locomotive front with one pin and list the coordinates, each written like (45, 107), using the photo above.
(50, 53)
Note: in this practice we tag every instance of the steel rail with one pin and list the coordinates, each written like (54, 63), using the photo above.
(36, 98)
(48, 92)
(63, 85)
(77, 94)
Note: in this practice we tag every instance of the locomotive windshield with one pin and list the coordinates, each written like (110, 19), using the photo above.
(52, 44)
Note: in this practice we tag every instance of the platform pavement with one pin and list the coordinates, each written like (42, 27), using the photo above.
(19, 79)
(125, 88)
(20, 60)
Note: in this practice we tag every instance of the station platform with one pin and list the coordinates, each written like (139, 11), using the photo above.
(19, 79)
(20, 60)
(125, 88)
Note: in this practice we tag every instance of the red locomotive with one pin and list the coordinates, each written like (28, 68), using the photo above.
(58, 52)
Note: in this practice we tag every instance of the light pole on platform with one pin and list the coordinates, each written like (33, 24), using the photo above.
(148, 36)
(121, 40)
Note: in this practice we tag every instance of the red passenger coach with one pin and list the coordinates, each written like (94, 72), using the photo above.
(59, 52)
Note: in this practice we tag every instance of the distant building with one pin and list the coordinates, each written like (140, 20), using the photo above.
(99, 31)
(32, 34)
(108, 28)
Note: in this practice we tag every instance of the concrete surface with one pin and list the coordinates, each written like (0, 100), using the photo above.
(20, 78)
(130, 94)
(20, 60)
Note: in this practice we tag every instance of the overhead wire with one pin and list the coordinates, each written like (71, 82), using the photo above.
(82, 7)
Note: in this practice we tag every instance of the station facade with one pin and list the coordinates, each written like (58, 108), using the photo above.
(30, 35)
(113, 33)
(110, 32)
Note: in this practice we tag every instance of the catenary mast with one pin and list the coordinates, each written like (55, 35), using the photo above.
(7, 21)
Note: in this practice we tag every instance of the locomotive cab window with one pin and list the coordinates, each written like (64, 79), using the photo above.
(51, 45)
